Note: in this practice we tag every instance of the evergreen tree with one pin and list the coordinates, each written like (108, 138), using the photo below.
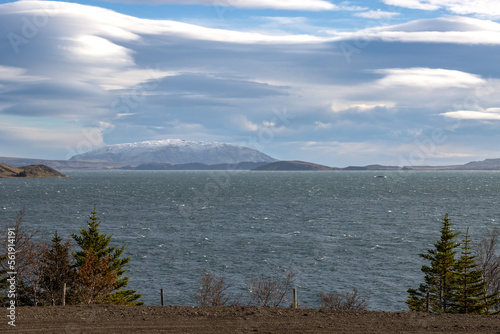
(471, 289)
(56, 269)
(91, 241)
(439, 276)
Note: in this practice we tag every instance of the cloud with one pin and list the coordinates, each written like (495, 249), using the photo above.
(486, 115)
(361, 106)
(92, 48)
(377, 15)
(428, 78)
(38, 141)
(413, 4)
(135, 79)
(282, 20)
(16, 74)
(486, 8)
(305, 5)
(457, 30)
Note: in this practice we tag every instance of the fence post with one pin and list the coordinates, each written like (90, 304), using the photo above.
(63, 299)
(161, 292)
(428, 302)
(295, 302)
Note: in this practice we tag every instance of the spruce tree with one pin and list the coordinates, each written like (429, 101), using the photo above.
(98, 244)
(56, 269)
(439, 276)
(471, 289)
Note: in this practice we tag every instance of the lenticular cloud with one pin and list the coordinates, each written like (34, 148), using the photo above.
(306, 5)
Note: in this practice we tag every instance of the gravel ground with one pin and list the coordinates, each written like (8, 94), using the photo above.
(236, 319)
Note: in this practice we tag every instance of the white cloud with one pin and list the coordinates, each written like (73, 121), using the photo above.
(413, 4)
(92, 48)
(488, 114)
(176, 79)
(377, 15)
(16, 74)
(340, 106)
(458, 30)
(486, 8)
(428, 78)
(306, 5)
(282, 20)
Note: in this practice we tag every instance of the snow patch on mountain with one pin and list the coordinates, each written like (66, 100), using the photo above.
(176, 151)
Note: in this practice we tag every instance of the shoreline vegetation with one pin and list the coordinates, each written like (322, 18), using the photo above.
(460, 291)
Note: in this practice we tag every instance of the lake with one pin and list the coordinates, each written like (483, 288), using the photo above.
(336, 230)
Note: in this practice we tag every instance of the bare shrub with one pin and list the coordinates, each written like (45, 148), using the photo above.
(94, 281)
(271, 290)
(28, 258)
(488, 261)
(344, 301)
(212, 290)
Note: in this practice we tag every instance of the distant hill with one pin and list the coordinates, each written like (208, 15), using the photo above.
(31, 171)
(293, 166)
(488, 164)
(174, 151)
(372, 167)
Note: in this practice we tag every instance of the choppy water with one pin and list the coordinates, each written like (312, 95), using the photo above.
(336, 230)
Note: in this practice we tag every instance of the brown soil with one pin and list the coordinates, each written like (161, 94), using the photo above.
(236, 319)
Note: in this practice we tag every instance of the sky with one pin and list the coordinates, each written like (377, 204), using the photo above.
(392, 82)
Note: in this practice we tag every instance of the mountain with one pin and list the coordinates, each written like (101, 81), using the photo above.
(485, 164)
(293, 166)
(197, 166)
(174, 151)
(31, 171)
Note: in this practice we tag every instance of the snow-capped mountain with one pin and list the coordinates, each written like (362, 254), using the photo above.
(175, 151)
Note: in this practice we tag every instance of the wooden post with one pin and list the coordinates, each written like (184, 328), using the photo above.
(63, 299)
(428, 302)
(295, 302)
(161, 292)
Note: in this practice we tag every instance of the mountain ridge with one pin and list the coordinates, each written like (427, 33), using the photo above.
(173, 151)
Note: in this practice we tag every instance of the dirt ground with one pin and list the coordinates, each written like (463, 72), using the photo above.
(235, 319)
